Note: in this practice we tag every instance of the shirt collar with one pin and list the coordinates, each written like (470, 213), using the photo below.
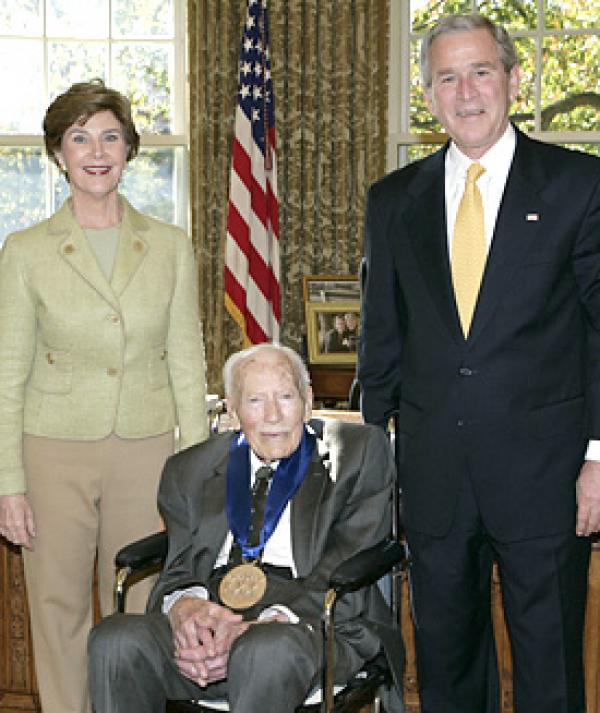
(496, 160)
(256, 463)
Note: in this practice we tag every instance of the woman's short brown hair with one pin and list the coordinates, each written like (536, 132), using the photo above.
(78, 104)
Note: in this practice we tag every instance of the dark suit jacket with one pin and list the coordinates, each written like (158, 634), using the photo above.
(341, 507)
(521, 395)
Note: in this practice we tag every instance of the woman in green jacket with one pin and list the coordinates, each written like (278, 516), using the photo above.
(101, 358)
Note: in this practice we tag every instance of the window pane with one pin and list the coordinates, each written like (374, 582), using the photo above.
(415, 152)
(144, 73)
(424, 13)
(21, 18)
(149, 183)
(70, 62)
(523, 109)
(152, 18)
(23, 113)
(74, 18)
(514, 16)
(520, 15)
(572, 13)
(22, 189)
(421, 119)
(60, 189)
(571, 83)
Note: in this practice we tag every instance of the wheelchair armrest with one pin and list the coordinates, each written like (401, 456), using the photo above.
(366, 567)
(361, 570)
(148, 552)
(134, 559)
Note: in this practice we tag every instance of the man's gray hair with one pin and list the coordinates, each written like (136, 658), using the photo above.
(466, 23)
(234, 366)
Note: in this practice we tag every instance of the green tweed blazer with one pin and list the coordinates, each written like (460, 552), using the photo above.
(81, 357)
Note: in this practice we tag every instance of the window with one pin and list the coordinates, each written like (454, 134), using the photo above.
(135, 46)
(558, 42)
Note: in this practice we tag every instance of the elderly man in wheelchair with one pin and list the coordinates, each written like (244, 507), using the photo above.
(258, 519)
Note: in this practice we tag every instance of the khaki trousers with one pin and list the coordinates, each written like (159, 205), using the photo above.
(89, 499)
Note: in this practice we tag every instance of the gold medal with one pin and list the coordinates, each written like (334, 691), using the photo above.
(243, 586)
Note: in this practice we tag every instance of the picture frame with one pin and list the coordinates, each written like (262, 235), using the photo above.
(330, 288)
(332, 330)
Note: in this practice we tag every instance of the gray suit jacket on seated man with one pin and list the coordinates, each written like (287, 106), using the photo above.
(329, 498)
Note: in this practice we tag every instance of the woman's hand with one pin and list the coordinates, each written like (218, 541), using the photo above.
(17, 523)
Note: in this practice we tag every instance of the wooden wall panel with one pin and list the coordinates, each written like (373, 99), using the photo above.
(18, 690)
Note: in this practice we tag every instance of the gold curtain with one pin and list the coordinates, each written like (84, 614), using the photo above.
(329, 69)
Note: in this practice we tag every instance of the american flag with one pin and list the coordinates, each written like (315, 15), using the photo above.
(252, 294)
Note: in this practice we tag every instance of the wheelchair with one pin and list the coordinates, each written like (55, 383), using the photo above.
(368, 685)
(362, 570)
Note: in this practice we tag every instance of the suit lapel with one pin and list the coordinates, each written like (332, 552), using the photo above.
(212, 523)
(132, 250)
(427, 226)
(305, 510)
(514, 234)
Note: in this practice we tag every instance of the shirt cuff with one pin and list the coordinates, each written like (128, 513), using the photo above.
(274, 610)
(593, 451)
(170, 599)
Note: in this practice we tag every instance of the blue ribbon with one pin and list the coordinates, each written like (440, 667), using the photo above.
(286, 480)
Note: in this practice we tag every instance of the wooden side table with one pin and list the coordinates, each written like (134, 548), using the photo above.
(331, 384)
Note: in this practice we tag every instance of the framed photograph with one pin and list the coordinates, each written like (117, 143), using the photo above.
(332, 330)
(331, 288)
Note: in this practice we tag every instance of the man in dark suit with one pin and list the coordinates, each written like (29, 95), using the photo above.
(329, 498)
(498, 394)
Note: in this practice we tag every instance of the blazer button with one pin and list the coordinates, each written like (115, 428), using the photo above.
(50, 358)
(69, 249)
(114, 318)
(465, 371)
(111, 371)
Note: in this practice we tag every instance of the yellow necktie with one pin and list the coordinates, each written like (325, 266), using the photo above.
(469, 249)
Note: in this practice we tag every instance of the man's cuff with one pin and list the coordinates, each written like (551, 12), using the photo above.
(593, 451)
(169, 600)
(275, 609)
